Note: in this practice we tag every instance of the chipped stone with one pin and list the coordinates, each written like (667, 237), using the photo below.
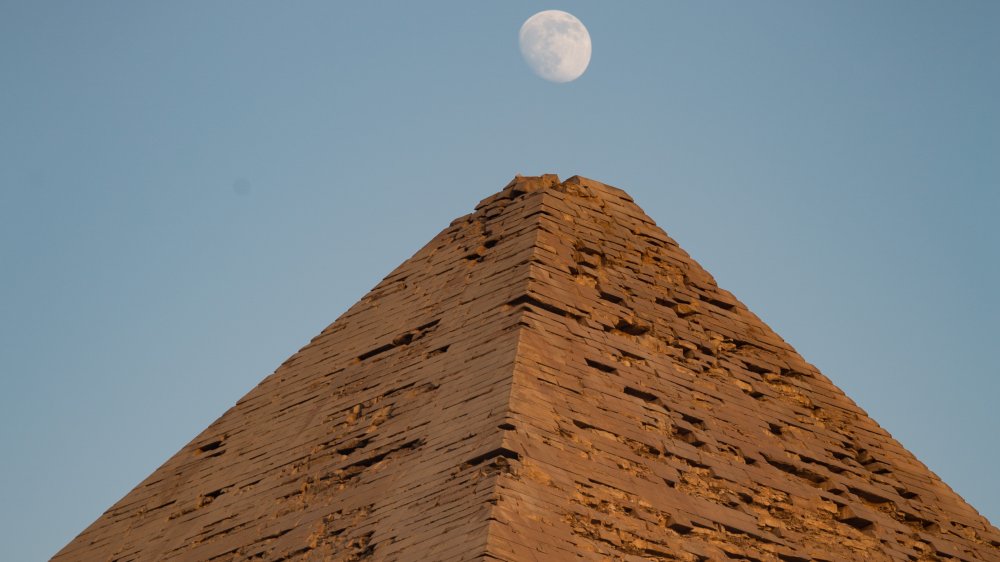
(550, 378)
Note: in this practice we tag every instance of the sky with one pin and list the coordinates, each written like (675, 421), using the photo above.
(190, 191)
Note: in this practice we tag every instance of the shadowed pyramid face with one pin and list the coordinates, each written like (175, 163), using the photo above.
(551, 377)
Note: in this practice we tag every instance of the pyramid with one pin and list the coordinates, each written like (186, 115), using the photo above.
(550, 378)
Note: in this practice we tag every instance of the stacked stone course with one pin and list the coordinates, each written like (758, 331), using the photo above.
(550, 378)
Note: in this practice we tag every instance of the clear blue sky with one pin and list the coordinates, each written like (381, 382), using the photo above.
(190, 191)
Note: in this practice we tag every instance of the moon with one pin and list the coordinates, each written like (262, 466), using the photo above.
(555, 45)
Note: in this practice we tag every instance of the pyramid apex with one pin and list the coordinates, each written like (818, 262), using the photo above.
(576, 185)
(528, 184)
(521, 185)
